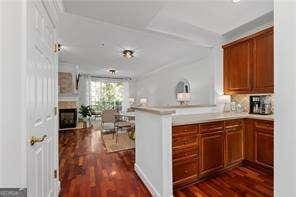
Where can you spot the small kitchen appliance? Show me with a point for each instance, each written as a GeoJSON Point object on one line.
{"type": "Point", "coordinates": [260, 104]}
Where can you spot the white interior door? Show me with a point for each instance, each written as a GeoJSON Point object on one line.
{"type": "Point", "coordinates": [41, 97]}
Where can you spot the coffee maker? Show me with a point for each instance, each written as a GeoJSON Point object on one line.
{"type": "Point", "coordinates": [260, 104]}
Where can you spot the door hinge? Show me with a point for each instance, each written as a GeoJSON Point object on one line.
{"type": "Point", "coordinates": [55, 111]}
{"type": "Point", "coordinates": [55, 174]}
{"type": "Point", "coordinates": [57, 47]}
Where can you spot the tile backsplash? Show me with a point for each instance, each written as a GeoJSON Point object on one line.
{"type": "Point", "coordinates": [243, 100]}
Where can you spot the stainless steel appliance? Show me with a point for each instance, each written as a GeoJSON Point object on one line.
{"type": "Point", "coordinates": [260, 104]}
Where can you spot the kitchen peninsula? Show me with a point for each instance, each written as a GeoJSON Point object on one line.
{"type": "Point", "coordinates": [173, 149]}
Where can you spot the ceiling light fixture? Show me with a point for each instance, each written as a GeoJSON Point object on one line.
{"type": "Point", "coordinates": [235, 1]}
{"type": "Point", "coordinates": [112, 71]}
{"type": "Point", "coordinates": [128, 54]}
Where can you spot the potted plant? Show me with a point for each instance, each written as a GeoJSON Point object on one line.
{"type": "Point", "coordinates": [85, 113]}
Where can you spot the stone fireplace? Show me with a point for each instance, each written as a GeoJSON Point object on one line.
{"type": "Point", "coordinates": [67, 114]}
{"type": "Point", "coordinates": [68, 118]}
{"type": "Point", "coordinates": [68, 100]}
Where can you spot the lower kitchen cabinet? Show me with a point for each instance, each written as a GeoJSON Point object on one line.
{"type": "Point", "coordinates": [264, 148]}
{"type": "Point", "coordinates": [249, 140]}
{"type": "Point", "coordinates": [234, 142]}
{"type": "Point", "coordinates": [185, 154]}
{"type": "Point", "coordinates": [211, 152]}
{"type": "Point", "coordinates": [205, 149]}
{"type": "Point", "coordinates": [185, 171]}
{"type": "Point", "coordinates": [264, 143]}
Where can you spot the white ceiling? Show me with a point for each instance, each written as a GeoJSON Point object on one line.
{"type": "Point", "coordinates": [216, 16]}
{"type": "Point", "coordinates": [83, 38]}
{"type": "Point", "coordinates": [161, 33]}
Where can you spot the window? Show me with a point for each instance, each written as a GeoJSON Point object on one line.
{"type": "Point", "coordinates": [106, 95]}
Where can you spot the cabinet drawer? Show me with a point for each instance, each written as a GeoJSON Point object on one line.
{"type": "Point", "coordinates": [233, 123]}
{"type": "Point", "coordinates": [185, 169]}
{"type": "Point", "coordinates": [211, 127]}
{"type": "Point", "coordinates": [264, 125]}
{"type": "Point", "coordinates": [182, 140]}
{"type": "Point", "coordinates": [184, 129]}
{"type": "Point", "coordinates": [233, 128]}
{"type": "Point", "coordinates": [182, 152]}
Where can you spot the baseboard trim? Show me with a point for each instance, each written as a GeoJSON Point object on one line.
{"type": "Point", "coordinates": [258, 166]}
{"type": "Point", "coordinates": [146, 181]}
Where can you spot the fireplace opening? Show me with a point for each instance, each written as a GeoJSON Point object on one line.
{"type": "Point", "coordinates": [68, 118]}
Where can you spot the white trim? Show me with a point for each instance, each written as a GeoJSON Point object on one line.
{"type": "Point", "coordinates": [167, 175]}
{"type": "Point", "coordinates": [146, 181]}
{"type": "Point", "coordinates": [57, 187]}
{"type": "Point", "coordinates": [69, 98]}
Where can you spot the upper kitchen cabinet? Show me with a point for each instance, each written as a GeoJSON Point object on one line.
{"type": "Point", "coordinates": [248, 64]}
{"type": "Point", "coordinates": [238, 67]}
{"type": "Point", "coordinates": [263, 62]}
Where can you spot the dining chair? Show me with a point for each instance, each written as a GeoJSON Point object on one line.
{"type": "Point", "coordinates": [108, 120]}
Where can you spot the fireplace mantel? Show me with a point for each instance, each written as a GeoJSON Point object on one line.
{"type": "Point", "coordinates": [68, 104]}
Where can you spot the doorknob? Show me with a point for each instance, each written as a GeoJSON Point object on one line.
{"type": "Point", "coordinates": [35, 139]}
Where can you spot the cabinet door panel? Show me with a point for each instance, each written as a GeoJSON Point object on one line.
{"type": "Point", "coordinates": [211, 152]}
{"type": "Point", "coordinates": [249, 140]}
{"type": "Point", "coordinates": [234, 145]}
{"type": "Point", "coordinates": [264, 148]}
{"type": "Point", "coordinates": [263, 63]}
{"type": "Point", "coordinates": [237, 67]}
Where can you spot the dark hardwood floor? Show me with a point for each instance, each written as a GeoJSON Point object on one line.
{"type": "Point", "coordinates": [240, 181]}
{"type": "Point", "coordinates": [86, 169]}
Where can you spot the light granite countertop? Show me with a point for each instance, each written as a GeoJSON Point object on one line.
{"type": "Point", "coordinates": [201, 118]}
{"type": "Point", "coordinates": [155, 110]}
{"type": "Point", "coordinates": [165, 110]}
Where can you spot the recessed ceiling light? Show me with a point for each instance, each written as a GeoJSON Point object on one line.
{"type": "Point", "coordinates": [128, 54]}
{"type": "Point", "coordinates": [235, 1]}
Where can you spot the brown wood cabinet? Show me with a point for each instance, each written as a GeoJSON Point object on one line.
{"type": "Point", "coordinates": [200, 150]}
{"type": "Point", "coordinates": [211, 152]}
{"type": "Point", "coordinates": [185, 154]}
{"type": "Point", "coordinates": [238, 67]}
{"type": "Point", "coordinates": [211, 143]}
{"type": "Point", "coordinates": [234, 140]}
{"type": "Point", "coordinates": [248, 64]}
{"type": "Point", "coordinates": [249, 140]}
{"type": "Point", "coordinates": [264, 142]}
{"type": "Point", "coordinates": [263, 62]}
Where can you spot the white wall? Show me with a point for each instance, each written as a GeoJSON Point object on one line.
{"type": "Point", "coordinates": [159, 87]}
{"type": "Point", "coordinates": [154, 153]}
{"type": "Point", "coordinates": [285, 98]}
{"type": "Point", "coordinates": [12, 113]}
